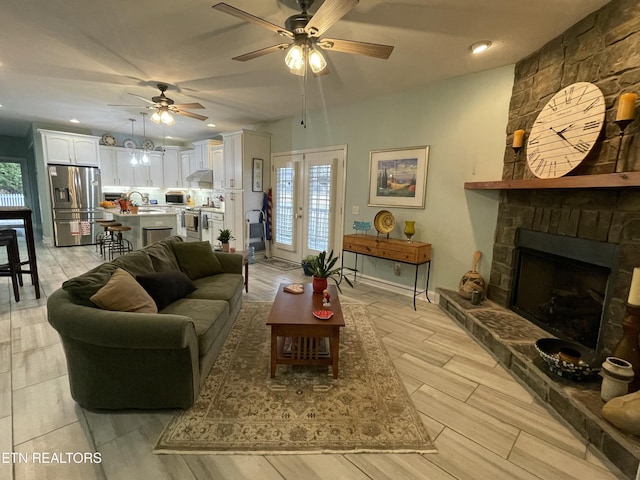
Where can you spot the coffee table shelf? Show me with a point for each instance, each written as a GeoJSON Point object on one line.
{"type": "Point", "coordinates": [291, 316]}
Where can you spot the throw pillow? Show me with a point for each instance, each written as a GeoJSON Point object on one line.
{"type": "Point", "coordinates": [123, 294]}
{"type": "Point", "coordinates": [197, 259]}
{"type": "Point", "coordinates": [166, 287]}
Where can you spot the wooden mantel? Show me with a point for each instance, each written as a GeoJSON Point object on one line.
{"type": "Point", "coordinates": [608, 180]}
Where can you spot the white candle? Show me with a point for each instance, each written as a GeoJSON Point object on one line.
{"type": "Point", "coordinates": [634, 291]}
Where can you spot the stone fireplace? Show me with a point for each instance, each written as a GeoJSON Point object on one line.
{"type": "Point", "coordinates": [562, 284]}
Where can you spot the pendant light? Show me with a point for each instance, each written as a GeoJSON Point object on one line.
{"type": "Point", "coordinates": [134, 159]}
{"type": "Point", "coordinates": [145, 157]}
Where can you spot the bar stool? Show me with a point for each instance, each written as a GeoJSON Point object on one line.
{"type": "Point", "coordinates": [104, 238]}
{"type": "Point", "coordinates": [9, 239]}
{"type": "Point", "coordinates": [118, 244]}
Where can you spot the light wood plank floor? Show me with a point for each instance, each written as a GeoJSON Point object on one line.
{"type": "Point", "coordinates": [484, 423]}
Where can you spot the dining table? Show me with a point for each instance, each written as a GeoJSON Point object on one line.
{"type": "Point", "coordinates": [24, 214]}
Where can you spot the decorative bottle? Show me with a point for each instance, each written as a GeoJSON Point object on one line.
{"type": "Point", "coordinates": [409, 229]}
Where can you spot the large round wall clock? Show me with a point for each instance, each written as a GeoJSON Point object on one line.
{"type": "Point", "coordinates": [566, 130]}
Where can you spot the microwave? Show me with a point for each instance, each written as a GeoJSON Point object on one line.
{"type": "Point", "coordinates": [177, 197]}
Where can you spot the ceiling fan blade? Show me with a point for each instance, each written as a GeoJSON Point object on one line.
{"type": "Point", "coordinates": [189, 106]}
{"type": "Point", "coordinates": [360, 48]}
{"type": "Point", "coordinates": [189, 114]}
{"type": "Point", "coordinates": [137, 106]}
{"type": "Point", "coordinates": [261, 52]}
{"type": "Point", "coordinates": [247, 17]}
{"type": "Point", "coordinates": [329, 13]}
{"type": "Point", "coordinates": [142, 98]}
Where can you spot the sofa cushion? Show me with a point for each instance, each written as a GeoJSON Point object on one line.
{"type": "Point", "coordinates": [123, 293]}
{"type": "Point", "coordinates": [208, 316]}
{"type": "Point", "coordinates": [81, 288]}
{"type": "Point", "coordinates": [197, 259]}
{"type": "Point", "coordinates": [166, 287]}
{"type": "Point", "coordinates": [225, 286]}
{"type": "Point", "coordinates": [162, 256]}
{"type": "Point", "coordinates": [136, 263]}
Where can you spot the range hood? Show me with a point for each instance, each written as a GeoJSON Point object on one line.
{"type": "Point", "coordinates": [201, 176]}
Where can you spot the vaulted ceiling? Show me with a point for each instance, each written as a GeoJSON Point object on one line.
{"type": "Point", "coordinates": [63, 59]}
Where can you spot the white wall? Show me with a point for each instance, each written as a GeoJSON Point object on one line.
{"type": "Point", "coordinates": [463, 120]}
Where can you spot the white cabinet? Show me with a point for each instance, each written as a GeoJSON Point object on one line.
{"type": "Point", "coordinates": [171, 168]}
{"type": "Point", "coordinates": [234, 208]}
{"type": "Point", "coordinates": [72, 148]}
{"type": "Point", "coordinates": [240, 148]}
{"type": "Point", "coordinates": [150, 175]}
{"type": "Point", "coordinates": [115, 167]}
{"type": "Point", "coordinates": [208, 156]}
{"type": "Point", "coordinates": [187, 160]}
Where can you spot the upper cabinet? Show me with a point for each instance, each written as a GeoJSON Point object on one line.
{"type": "Point", "coordinates": [173, 175]}
{"type": "Point", "coordinates": [208, 156]}
{"type": "Point", "coordinates": [115, 166]}
{"type": "Point", "coordinates": [71, 148]}
{"type": "Point", "coordinates": [239, 150]}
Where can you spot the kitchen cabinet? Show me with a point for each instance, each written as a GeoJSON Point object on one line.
{"type": "Point", "coordinates": [187, 159]}
{"type": "Point", "coordinates": [70, 148]}
{"type": "Point", "coordinates": [239, 150]}
{"type": "Point", "coordinates": [208, 156]}
{"type": "Point", "coordinates": [115, 167]}
{"type": "Point", "coordinates": [150, 175]}
{"type": "Point", "coordinates": [171, 168]}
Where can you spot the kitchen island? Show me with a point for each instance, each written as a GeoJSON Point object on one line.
{"type": "Point", "coordinates": [145, 218]}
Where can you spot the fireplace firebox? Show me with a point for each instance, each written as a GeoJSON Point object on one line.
{"type": "Point", "coordinates": [562, 284]}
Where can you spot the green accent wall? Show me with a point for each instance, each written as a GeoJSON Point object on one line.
{"type": "Point", "coordinates": [463, 120]}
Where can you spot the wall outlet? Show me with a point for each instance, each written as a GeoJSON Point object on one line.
{"type": "Point", "coordinates": [355, 210]}
{"type": "Point", "coordinates": [396, 269]}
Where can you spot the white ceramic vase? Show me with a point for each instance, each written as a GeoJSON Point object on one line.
{"type": "Point", "coordinates": [616, 376]}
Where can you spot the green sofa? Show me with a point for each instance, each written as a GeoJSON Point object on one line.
{"type": "Point", "coordinates": [122, 360]}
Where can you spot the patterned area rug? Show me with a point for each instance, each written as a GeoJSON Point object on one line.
{"type": "Point", "coordinates": [303, 409]}
{"type": "Point", "coordinates": [279, 264]}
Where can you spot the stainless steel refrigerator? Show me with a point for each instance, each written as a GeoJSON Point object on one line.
{"type": "Point", "coordinates": [75, 197]}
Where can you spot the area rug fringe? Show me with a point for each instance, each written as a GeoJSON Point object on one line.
{"type": "Point", "coordinates": [303, 410]}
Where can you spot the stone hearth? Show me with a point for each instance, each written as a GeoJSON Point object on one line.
{"type": "Point", "coordinates": [511, 339]}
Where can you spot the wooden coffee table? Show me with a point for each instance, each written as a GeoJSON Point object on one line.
{"type": "Point", "coordinates": [291, 316]}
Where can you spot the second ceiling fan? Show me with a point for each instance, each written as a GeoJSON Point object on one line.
{"type": "Point", "coordinates": [305, 30]}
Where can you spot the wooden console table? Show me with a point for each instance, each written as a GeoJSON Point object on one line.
{"type": "Point", "coordinates": [413, 253]}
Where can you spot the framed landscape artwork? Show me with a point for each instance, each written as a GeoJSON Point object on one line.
{"type": "Point", "coordinates": [398, 177]}
{"type": "Point", "coordinates": [256, 184]}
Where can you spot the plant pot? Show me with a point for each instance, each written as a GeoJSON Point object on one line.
{"type": "Point", "coordinates": [225, 247]}
{"type": "Point", "coordinates": [134, 210]}
{"type": "Point", "coordinates": [319, 285]}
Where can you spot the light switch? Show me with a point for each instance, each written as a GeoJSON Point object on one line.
{"type": "Point", "coordinates": [355, 210]}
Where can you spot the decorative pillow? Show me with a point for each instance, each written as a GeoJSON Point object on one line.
{"type": "Point", "coordinates": [197, 259]}
{"type": "Point", "coordinates": [166, 287]}
{"type": "Point", "coordinates": [123, 294]}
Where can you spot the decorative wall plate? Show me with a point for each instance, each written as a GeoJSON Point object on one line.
{"type": "Point", "coordinates": [147, 144]}
{"type": "Point", "coordinates": [128, 143]}
{"type": "Point", "coordinates": [323, 314]}
{"type": "Point", "coordinates": [108, 139]}
{"type": "Point", "coordinates": [384, 221]}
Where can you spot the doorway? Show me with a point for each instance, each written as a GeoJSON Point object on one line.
{"type": "Point", "coordinates": [308, 201]}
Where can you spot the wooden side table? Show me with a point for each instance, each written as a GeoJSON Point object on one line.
{"type": "Point", "coordinates": [412, 253]}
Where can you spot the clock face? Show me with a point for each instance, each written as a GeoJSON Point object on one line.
{"type": "Point", "coordinates": [566, 130]}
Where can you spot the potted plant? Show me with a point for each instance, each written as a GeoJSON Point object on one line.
{"type": "Point", "coordinates": [133, 207]}
{"type": "Point", "coordinates": [323, 268]}
{"type": "Point", "coordinates": [224, 237]}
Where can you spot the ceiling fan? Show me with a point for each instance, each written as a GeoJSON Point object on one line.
{"type": "Point", "coordinates": [305, 31]}
{"type": "Point", "coordinates": [164, 107]}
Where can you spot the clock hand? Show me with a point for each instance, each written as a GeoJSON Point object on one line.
{"type": "Point", "coordinates": [565, 128]}
{"type": "Point", "coordinates": [559, 134]}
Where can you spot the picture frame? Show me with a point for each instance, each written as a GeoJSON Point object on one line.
{"type": "Point", "coordinates": [398, 177]}
{"type": "Point", "coordinates": [256, 177]}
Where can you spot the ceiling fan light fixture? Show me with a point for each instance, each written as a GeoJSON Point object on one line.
{"type": "Point", "coordinates": [167, 118]}
{"type": "Point", "coordinates": [155, 118]}
{"type": "Point", "coordinates": [295, 58]}
{"type": "Point", "coordinates": [317, 61]}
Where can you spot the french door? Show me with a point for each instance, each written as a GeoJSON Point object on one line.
{"type": "Point", "coordinates": [308, 198]}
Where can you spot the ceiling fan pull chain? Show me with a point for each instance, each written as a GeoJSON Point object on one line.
{"type": "Point", "coordinates": [303, 81]}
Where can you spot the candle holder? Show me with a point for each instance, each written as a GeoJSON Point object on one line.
{"type": "Point", "coordinates": [628, 348]}
{"type": "Point", "coordinates": [622, 124]}
{"type": "Point", "coordinates": [516, 151]}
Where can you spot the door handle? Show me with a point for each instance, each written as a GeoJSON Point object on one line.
{"type": "Point", "coordinates": [297, 215]}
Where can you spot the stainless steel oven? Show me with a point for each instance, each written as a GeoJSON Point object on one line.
{"type": "Point", "coordinates": [192, 224]}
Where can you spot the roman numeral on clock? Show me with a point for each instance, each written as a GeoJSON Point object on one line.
{"type": "Point", "coordinates": [591, 125]}
{"type": "Point", "coordinates": [581, 147]}
{"type": "Point", "coordinates": [591, 105]}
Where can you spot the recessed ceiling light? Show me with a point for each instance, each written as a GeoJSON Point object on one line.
{"type": "Point", "coordinates": [74, 120]}
{"type": "Point", "coordinates": [480, 47]}
{"type": "Point", "coordinates": [168, 136]}
{"type": "Point", "coordinates": [211, 125]}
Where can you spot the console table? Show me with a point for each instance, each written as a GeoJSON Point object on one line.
{"type": "Point", "coordinates": [413, 253]}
